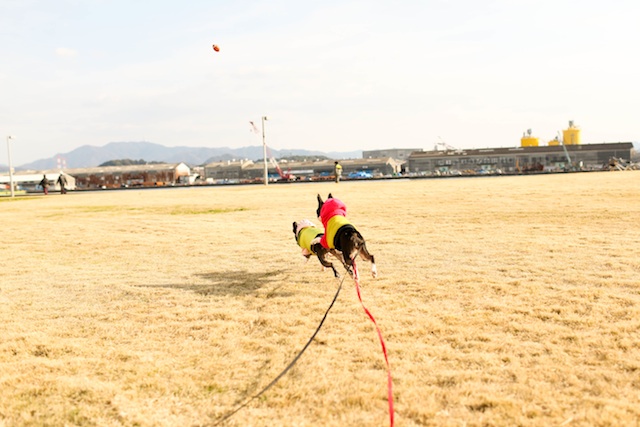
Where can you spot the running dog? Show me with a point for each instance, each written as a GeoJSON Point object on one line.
{"type": "Point", "coordinates": [308, 238]}
{"type": "Point", "coordinates": [340, 234]}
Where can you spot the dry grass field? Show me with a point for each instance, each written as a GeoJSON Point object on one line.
{"type": "Point", "coordinates": [503, 301]}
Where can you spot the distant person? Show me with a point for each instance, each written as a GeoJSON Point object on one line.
{"type": "Point", "coordinates": [45, 184]}
{"type": "Point", "coordinates": [337, 171]}
{"type": "Point", "coordinates": [62, 181]}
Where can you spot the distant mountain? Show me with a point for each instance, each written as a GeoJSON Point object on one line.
{"type": "Point", "coordinates": [91, 156]}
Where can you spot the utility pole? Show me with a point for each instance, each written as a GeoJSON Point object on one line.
{"type": "Point", "coordinates": [264, 153]}
{"type": "Point", "coordinates": [10, 165]}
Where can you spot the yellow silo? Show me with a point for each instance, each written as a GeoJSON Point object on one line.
{"type": "Point", "coordinates": [554, 142]}
{"type": "Point", "coordinates": [571, 136]}
{"type": "Point", "coordinates": [529, 141]}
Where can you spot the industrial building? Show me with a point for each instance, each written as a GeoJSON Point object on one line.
{"type": "Point", "coordinates": [517, 160]}
{"type": "Point", "coordinates": [559, 155]}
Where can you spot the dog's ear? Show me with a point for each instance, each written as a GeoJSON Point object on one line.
{"type": "Point", "coordinates": [330, 196]}
{"type": "Point", "coordinates": [320, 203]}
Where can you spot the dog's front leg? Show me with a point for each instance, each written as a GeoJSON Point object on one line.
{"type": "Point", "coordinates": [321, 253]}
{"type": "Point", "coordinates": [328, 264]}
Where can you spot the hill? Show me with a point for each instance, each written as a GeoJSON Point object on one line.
{"type": "Point", "coordinates": [91, 156]}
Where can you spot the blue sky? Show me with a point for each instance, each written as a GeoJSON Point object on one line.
{"type": "Point", "coordinates": [331, 75]}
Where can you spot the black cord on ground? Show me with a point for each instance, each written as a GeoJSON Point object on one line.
{"type": "Point", "coordinates": [293, 362]}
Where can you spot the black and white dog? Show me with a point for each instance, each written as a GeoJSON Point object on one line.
{"type": "Point", "coordinates": [308, 238]}
{"type": "Point", "coordinates": [340, 234]}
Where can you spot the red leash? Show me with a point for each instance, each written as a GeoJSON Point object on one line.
{"type": "Point", "coordinates": [384, 347]}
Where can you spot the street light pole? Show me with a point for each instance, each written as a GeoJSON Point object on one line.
{"type": "Point", "coordinates": [264, 153]}
{"type": "Point", "coordinates": [10, 166]}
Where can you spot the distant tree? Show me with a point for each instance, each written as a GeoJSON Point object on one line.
{"type": "Point", "coordinates": [308, 158]}
{"type": "Point", "coordinates": [124, 162]}
{"type": "Point", "coordinates": [128, 162]}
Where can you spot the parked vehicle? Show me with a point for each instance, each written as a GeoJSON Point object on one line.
{"type": "Point", "coordinates": [360, 175]}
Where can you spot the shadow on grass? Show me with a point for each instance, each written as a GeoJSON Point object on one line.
{"type": "Point", "coordinates": [231, 283]}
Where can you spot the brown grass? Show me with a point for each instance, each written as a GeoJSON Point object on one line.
{"type": "Point", "coordinates": [503, 301]}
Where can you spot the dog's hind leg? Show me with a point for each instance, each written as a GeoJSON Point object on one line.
{"type": "Point", "coordinates": [338, 255]}
{"type": "Point", "coordinates": [365, 255]}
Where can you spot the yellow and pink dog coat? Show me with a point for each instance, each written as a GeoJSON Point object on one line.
{"type": "Point", "coordinates": [307, 234]}
{"type": "Point", "coordinates": [333, 216]}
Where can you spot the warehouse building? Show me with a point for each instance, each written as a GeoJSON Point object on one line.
{"type": "Point", "coordinates": [226, 171]}
{"type": "Point", "coordinates": [149, 175]}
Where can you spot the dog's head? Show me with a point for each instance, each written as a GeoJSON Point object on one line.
{"type": "Point", "coordinates": [320, 203]}
{"type": "Point", "coordinates": [298, 226]}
